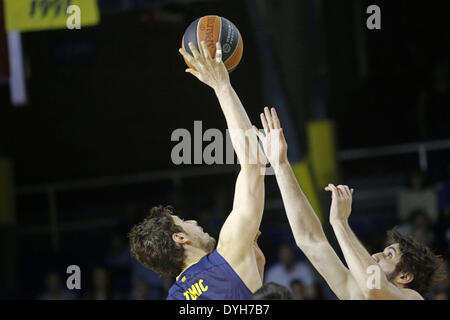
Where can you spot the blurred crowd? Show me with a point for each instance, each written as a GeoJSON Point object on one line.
{"type": "Point", "coordinates": [423, 212]}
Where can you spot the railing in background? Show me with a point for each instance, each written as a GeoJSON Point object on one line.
{"type": "Point", "coordinates": [177, 175]}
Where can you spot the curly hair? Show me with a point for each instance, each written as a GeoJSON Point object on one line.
{"type": "Point", "coordinates": [418, 260]}
{"type": "Point", "coordinates": [152, 245]}
{"type": "Point", "coordinates": [272, 291]}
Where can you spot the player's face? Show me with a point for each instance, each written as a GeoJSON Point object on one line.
{"type": "Point", "coordinates": [388, 259]}
{"type": "Point", "coordinates": [195, 233]}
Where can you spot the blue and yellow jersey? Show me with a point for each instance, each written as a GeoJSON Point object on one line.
{"type": "Point", "coordinates": [211, 278]}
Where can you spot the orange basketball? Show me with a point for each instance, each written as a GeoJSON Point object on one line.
{"type": "Point", "coordinates": [212, 29]}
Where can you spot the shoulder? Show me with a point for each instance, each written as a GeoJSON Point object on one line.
{"type": "Point", "coordinates": [214, 258]}
{"type": "Point", "coordinates": [411, 294]}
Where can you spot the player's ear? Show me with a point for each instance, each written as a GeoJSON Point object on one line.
{"type": "Point", "coordinates": [405, 277]}
{"type": "Point", "coordinates": [180, 238]}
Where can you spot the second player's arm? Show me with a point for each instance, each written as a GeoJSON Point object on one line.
{"type": "Point", "coordinates": [361, 264]}
{"type": "Point", "coordinates": [311, 239]}
{"type": "Point", "coordinates": [305, 224]}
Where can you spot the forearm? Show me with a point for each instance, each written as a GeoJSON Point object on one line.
{"type": "Point", "coordinates": [357, 258]}
{"type": "Point", "coordinates": [232, 108]}
{"type": "Point", "coordinates": [305, 224]}
{"type": "Point", "coordinates": [311, 239]}
{"type": "Point", "coordinates": [240, 127]}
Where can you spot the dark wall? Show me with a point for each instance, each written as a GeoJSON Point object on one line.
{"type": "Point", "coordinates": [105, 100]}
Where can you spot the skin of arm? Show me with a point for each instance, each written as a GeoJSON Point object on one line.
{"type": "Point", "coordinates": [359, 261]}
{"type": "Point", "coordinates": [305, 224]}
{"type": "Point", "coordinates": [236, 239]}
{"type": "Point", "coordinates": [260, 258]}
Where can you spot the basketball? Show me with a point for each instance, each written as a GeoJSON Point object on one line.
{"type": "Point", "coordinates": [212, 29]}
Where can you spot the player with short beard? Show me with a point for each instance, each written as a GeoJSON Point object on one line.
{"type": "Point", "coordinates": [405, 270]}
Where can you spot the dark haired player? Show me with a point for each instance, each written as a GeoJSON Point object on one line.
{"type": "Point", "coordinates": [273, 291]}
{"type": "Point", "coordinates": [405, 270]}
{"type": "Point", "coordinates": [171, 246]}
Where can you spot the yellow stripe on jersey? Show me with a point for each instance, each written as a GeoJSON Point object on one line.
{"type": "Point", "coordinates": [186, 269]}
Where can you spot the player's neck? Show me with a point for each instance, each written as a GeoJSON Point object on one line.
{"type": "Point", "coordinates": [193, 255]}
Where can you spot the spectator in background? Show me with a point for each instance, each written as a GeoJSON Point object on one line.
{"type": "Point", "coordinates": [272, 291]}
{"type": "Point", "coordinates": [126, 270]}
{"type": "Point", "coordinates": [314, 292]}
{"type": "Point", "coordinates": [118, 255]}
{"type": "Point", "coordinates": [54, 289]}
{"type": "Point", "coordinates": [288, 269]}
{"type": "Point", "coordinates": [118, 263]}
{"type": "Point", "coordinates": [418, 197]}
{"type": "Point", "coordinates": [100, 287]}
{"type": "Point", "coordinates": [298, 290]}
{"type": "Point", "coordinates": [442, 290]}
{"type": "Point", "coordinates": [418, 227]}
{"type": "Point", "coordinates": [442, 229]}
{"type": "Point", "coordinates": [140, 290]}
{"type": "Point", "coordinates": [159, 285]}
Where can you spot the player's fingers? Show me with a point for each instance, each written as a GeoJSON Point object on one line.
{"type": "Point", "coordinates": [268, 117]}
{"type": "Point", "coordinates": [336, 192]}
{"type": "Point", "coordinates": [342, 191]}
{"type": "Point", "coordinates": [194, 51]}
{"type": "Point", "coordinates": [193, 72]}
{"type": "Point", "coordinates": [347, 192]}
{"type": "Point", "coordinates": [264, 124]}
{"type": "Point", "coordinates": [258, 133]}
{"type": "Point", "coordinates": [187, 56]}
{"type": "Point", "coordinates": [276, 120]}
{"type": "Point", "coordinates": [205, 50]}
{"type": "Point", "coordinates": [339, 191]}
{"type": "Point", "coordinates": [282, 134]}
{"type": "Point", "coordinates": [206, 54]}
{"type": "Point", "coordinates": [351, 190]}
{"type": "Point", "coordinates": [218, 56]}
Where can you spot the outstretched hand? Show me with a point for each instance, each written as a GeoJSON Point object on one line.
{"type": "Point", "coordinates": [208, 70]}
{"type": "Point", "coordinates": [341, 203]}
{"type": "Point", "coordinates": [273, 141]}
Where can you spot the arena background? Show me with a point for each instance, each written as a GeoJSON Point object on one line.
{"type": "Point", "coordinates": [90, 151]}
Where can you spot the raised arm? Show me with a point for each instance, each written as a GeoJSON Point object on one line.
{"type": "Point", "coordinates": [237, 235]}
{"type": "Point", "coordinates": [305, 225]}
{"type": "Point", "coordinates": [371, 280]}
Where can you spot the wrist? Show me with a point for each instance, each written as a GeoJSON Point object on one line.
{"type": "Point", "coordinates": [339, 222]}
{"type": "Point", "coordinates": [222, 88]}
{"type": "Point", "coordinates": [281, 166]}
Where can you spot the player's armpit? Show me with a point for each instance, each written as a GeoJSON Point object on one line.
{"type": "Point", "coordinates": [239, 254]}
